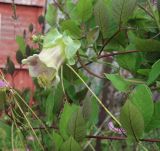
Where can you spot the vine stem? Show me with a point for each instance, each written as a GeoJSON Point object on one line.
{"type": "Point", "coordinates": [145, 10]}
{"type": "Point", "coordinates": [12, 139]}
{"type": "Point", "coordinates": [87, 69]}
{"type": "Point", "coordinates": [100, 57]}
{"type": "Point", "coordinates": [60, 8]}
{"type": "Point", "coordinates": [119, 138]}
{"type": "Point", "coordinates": [109, 40]}
{"type": "Point", "coordinates": [62, 82]}
{"type": "Point", "coordinates": [118, 53]}
{"type": "Point", "coordinates": [113, 54]}
{"type": "Point", "coordinates": [99, 101]}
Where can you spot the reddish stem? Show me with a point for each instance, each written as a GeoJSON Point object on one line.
{"type": "Point", "coordinates": [119, 138]}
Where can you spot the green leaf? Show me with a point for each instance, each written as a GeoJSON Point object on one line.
{"type": "Point", "coordinates": [19, 56]}
{"type": "Point", "coordinates": [2, 100]}
{"type": "Point", "coordinates": [147, 45]}
{"type": "Point", "coordinates": [155, 121]}
{"type": "Point", "coordinates": [130, 62]}
{"type": "Point", "coordinates": [119, 82]}
{"type": "Point", "coordinates": [30, 28]}
{"type": "Point", "coordinates": [141, 97]}
{"type": "Point", "coordinates": [70, 27]}
{"type": "Point", "coordinates": [87, 109]}
{"type": "Point", "coordinates": [58, 98]}
{"type": "Point", "coordinates": [10, 66]}
{"type": "Point", "coordinates": [92, 35]}
{"type": "Point", "coordinates": [154, 73]}
{"type": "Point", "coordinates": [21, 43]}
{"type": "Point", "coordinates": [70, 145]}
{"type": "Point", "coordinates": [69, 6]}
{"type": "Point", "coordinates": [83, 10]}
{"type": "Point", "coordinates": [104, 19]}
{"type": "Point", "coordinates": [77, 126]}
{"type": "Point", "coordinates": [144, 72]}
{"type": "Point", "coordinates": [51, 15]}
{"type": "Point", "coordinates": [28, 51]}
{"type": "Point", "coordinates": [5, 137]}
{"type": "Point", "coordinates": [96, 109]}
{"type": "Point", "coordinates": [58, 141]}
{"type": "Point", "coordinates": [71, 92]}
{"type": "Point", "coordinates": [41, 20]}
{"type": "Point", "coordinates": [158, 6]}
{"type": "Point", "coordinates": [123, 9]}
{"type": "Point", "coordinates": [132, 121]}
{"type": "Point", "coordinates": [64, 119]}
{"type": "Point", "coordinates": [49, 108]}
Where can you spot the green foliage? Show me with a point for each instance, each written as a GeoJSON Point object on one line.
{"type": "Point", "coordinates": [141, 97]}
{"type": "Point", "coordinates": [147, 45]}
{"type": "Point", "coordinates": [104, 19]}
{"type": "Point", "coordinates": [82, 11]}
{"type": "Point", "coordinates": [76, 126]}
{"type": "Point", "coordinates": [51, 15]}
{"type": "Point", "coordinates": [130, 62]}
{"type": "Point", "coordinates": [68, 110]}
{"type": "Point", "coordinates": [119, 82]}
{"type": "Point", "coordinates": [21, 42]}
{"type": "Point", "coordinates": [132, 121]}
{"type": "Point", "coordinates": [123, 9]}
{"type": "Point", "coordinates": [92, 35]}
{"type": "Point", "coordinates": [155, 121]}
{"type": "Point", "coordinates": [2, 99]}
{"type": "Point", "coordinates": [71, 28]}
{"type": "Point", "coordinates": [87, 109]}
{"type": "Point", "coordinates": [30, 28]}
{"type": "Point", "coordinates": [70, 145]}
{"type": "Point", "coordinates": [53, 103]}
{"type": "Point", "coordinates": [154, 73]}
{"type": "Point", "coordinates": [58, 141]}
{"type": "Point", "coordinates": [19, 56]}
{"type": "Point", "coordinates": [10, 67]}
{"type": "Point", "coordinates": [5, 136]}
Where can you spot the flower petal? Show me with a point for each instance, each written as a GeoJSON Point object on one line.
{"type": "Point", "coordinates": [36, 66]}
{"type": "Point", "coordinates": [52, 57]}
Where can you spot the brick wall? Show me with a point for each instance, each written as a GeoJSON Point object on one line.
{"type": "Point", "coordinates": [27, 12]}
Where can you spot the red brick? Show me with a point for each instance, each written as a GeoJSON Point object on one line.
{"type": "Point", "coordinates": [27, 13]}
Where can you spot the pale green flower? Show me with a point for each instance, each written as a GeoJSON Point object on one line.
{"type": "Point", "coordinates": [57, 49]}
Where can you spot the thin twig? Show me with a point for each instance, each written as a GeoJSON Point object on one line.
{"type": "Point", "coordinates": [112, 54]}
{"type": "Point", "coordinates": [87, 69]}
{"type": "Point", "coordinates": [14, 16]}
{"type": "Point", "coordinates": [109, 40]}
{"type": "Point", "coordinates": [155, 36]}
{"type": "Point", "coordinates": [155, 88]}
{"type": "Point", "coordinates": [118, 53]}
{"type": "Point", "coordinates": [143, 8]}
{"type": "Point", "coordinates": [119, 138]}
{"type": "Point", "coordinates": [43, 128]}
{"type": "Point", "coordinates": [60, 8]}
